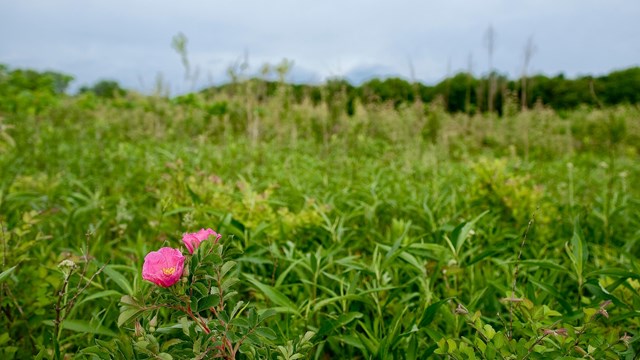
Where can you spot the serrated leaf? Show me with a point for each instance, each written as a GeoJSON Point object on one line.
{"type": "Point", "coordinates": [169, 343]}
{"type": "Point", "coordinates": [266, 332]}
{"type": "Point", "coordinates": [240, 322]}
{"type": "Point", "coordinates": [229, 295]}
{"type": "Point", "coordinates": [226, 267]}
{"type": "Point", "coordinates": [229, 283]}
{"type": "Point", "coordinates": [265, 314]}
{"type": "Point", "coordinates": [126, 299]}
{"type": "Point", "coordinates": [208, 302]}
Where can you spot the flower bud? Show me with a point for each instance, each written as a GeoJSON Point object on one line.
{"type": "Point", "coordinates": [154, 321]}
{"type": "Point", "coordinates": [139, 331]}
{"type": "Point", "coordinates": [461, 310]}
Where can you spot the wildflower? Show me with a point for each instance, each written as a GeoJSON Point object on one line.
{"type": "Point", "coordinates": [626, 339]}
{"type": "Point", "coordinates": [602, 311]}
{"type": "Point", "coordinates": [461, 310]}
{"type": "Point", "coordinates": [163, 267]}
{"type": "Point", "coordinates": [67, 266]}
{"type": "Point", "coordinates": [193, 240]}
{"type": "Point", "coordinates": [556, 332]}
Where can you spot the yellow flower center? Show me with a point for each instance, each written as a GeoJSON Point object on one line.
{"type": "Point", "coordinates": [169, 271]}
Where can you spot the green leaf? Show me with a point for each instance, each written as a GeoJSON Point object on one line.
{"type": "Point", "coordinates": [350, 340]}
{"type": "Point", "coordinates": [127, 315]}
{"type": "Point", "coordinates": [5, 274]}
{"type": "Point", "coordinates": [238, 309]}
{"type": "Point", "coordinates": [226, 267]}
{"type": "Point", "coordinates": [119, 279]}
{"type": "Point", "coordinates": [430, 312]}
{"type": "Point", "coordinates": [580, 251]}
{"type": "Point", "coordinates": [169, 343]}
{"type": "Point", "coordinates": [82, 326]}
{"type": "Point", "coordinates": [194, 197]}
{"type": "Point", "coordinates": [370, 344]}
{"type": "Point", "coordinates": [178, 211]}
{"type": "Point", "coordinates": [545, 264]}
{"type": "Point", "coordinates": [274, 295]}
{"type": "Point", "coordinates": [101, 294]}
{"type": "Point", "coordinates": [461, 232]}
{"type": "Point", "coordinates": [329, 325]}
{"type": "Point", "coordinates": [208, 302]}
{"type": "Point", "coordinates": [265, 314]}
{"type": "Point", "coordinates": [550, 289]}
{"type": "Point", "coordinates": [226, 284]}
{"type": "Point", "coordinates": [614, 272]}
{"type": "Point", "coordinates": [240, 322]}
{"type": "Point", "coordinates": [266, 332]}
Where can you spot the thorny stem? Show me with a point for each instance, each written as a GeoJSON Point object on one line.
{"type": "Point", "coordinates": [239, 343]}
{"type": "Point", "coordinates": [197, 319]}
{"type": "Point", "coordinates": [220, 290]}
{"type": "Point", "coordinates": [227, 343]}
{"type": "Point", "coordinates": [515, 273]}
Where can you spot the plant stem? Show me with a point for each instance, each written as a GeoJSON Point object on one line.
{"type": "Point", "coordinates": [515, 274]}
{"type": "Point", "coordinates": [59, 317]}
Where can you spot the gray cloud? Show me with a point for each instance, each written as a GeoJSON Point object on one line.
{"type": "Point", "coordinates": [129, 41]}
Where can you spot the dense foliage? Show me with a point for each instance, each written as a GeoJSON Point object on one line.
{"type": "Point", "coordinates": [466, 93]}
{"type": "Point", "coordinates": [384, 232]}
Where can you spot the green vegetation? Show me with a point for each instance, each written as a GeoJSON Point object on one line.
{"type": "Point", "coordinates": [355, 230]}
{"type": "Point", "coordinates": [465, 93]}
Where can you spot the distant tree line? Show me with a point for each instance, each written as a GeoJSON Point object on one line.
{"type": "Point", "coordinates": [462, 92]}
{"type": "Point", "coordinates": [466, 93]}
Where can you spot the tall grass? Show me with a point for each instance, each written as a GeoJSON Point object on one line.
{"type": "Point", "coordinates": [392, 233]}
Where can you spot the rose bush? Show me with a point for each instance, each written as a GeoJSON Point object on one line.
{"type": "Point", "coordinates": [200, 317]}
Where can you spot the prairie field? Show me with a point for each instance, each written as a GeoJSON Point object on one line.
{"type": "Point", "coordinates": [393, 232]}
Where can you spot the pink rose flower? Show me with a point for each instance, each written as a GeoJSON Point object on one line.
{"type": "Point", "coordinates": [193, 240]}
{"type": "Point", "coordinates": [163, 267]}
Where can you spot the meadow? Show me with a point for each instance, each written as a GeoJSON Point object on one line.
{"type": "Point", "coordinates": [395, 233]}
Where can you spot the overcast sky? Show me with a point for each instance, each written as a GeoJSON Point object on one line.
{"type": "Point", "coordinates": [130, 41]}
